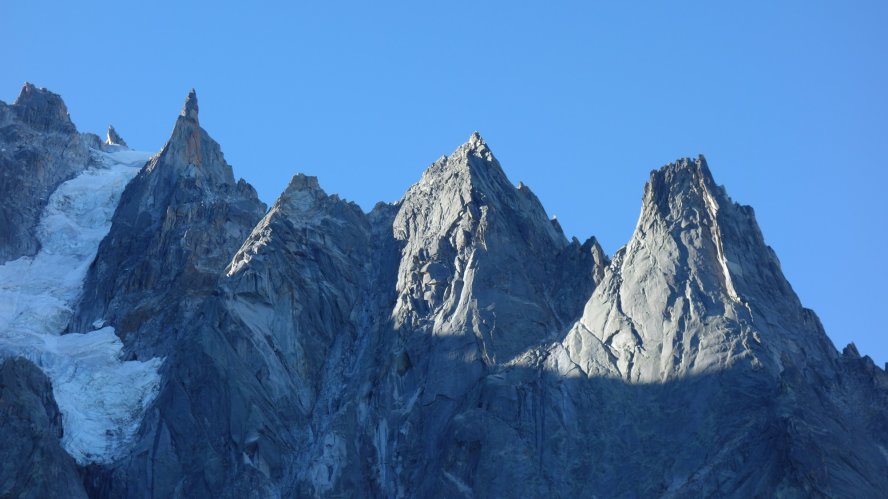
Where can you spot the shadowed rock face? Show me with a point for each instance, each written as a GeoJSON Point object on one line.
{"type": "Point", "coordinates": [39, 149]}
{"type": "Point", "coordinates": [456, 344]}
{"type": "Point", "coordinates": [34, 464]}
{"type": "Point", "coordinates": [43, 110]}
{"type": "Point", "coordinates": [176, 227]}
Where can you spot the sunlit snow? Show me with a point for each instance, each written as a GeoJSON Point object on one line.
{"type": "Point", "coordinates": [101, 398]}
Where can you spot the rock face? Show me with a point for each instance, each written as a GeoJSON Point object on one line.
{"type": "Point", "coordinates": [477, 288]}
{"type": "Point", "coordinates": [479, 256]}
{"type": "Point", "coordinates": [328, 334]}
{"type": "Point", "coordinates": [696, 290]}
{"type": "Point", "coordinates": [34, 464]}
{"type": "Point", "coordinates": [456, 344]}
{"type": "Point", "coordinates": [695, 348]}
{"type": "Point", "coordinates": [176, 227]}
{"type": "Point", "coordinates": [39, 149]}
{"type": "Point", "coordinates": [112, 138]}
{"type": "Point", "coordinates": [243, 385]}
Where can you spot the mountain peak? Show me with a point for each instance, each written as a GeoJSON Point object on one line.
{"type": "Point", "coordinates": [694, 245]}
{"type": "Point", "coordinates": [112, 138]}
{"type": "Point", "coordinates": [304, 202]}
{"type": "Point", "coordinates": [190, 109]}
{"type": "Point", "coordinates": [685, 166]}
{"type": "Point", "coordinates": [472, 175]}
{"type": "Point", "coordinates": [43, 110]}
{"type": "Point", "coordinates": [675, 181]}
{"type": "Point", "coordinates": [28, 91]}
{"type": "Point", "coordinates": [477, 146]}
{"type": "Point", "coordinates": [302, 192]}
{"type": "Point", "coordinates": [683, 203]}
{"type": "Point", "coordinates": [472, 163]}
{"type": "Point", "coordinates": [189, 144]}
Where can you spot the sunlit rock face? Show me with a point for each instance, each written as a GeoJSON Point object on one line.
{"type": "Point", "coordinates": [695, 349]}
{"type": "Point", "coordinates": [696, 290]}
{"type": "Point", "coordinates": [452, 344]}
{"type": "Point", "coordinates": [480, 258]}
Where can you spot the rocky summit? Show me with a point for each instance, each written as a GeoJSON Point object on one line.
{"type": "Point", "coordinates": [452, 344]}
{"type": "Point", "coordinates": [39, 149]}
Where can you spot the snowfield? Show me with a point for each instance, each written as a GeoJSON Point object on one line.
{"type": "Point", "coordinates": [101, 398]}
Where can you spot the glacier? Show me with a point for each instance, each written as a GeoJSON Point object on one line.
{"type": "Point", "coordinates": [101, 397]}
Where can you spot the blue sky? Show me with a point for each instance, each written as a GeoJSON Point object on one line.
{"type": "Point", "coordinates": [581, 100]}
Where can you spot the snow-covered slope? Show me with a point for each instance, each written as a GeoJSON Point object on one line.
{"type": "Point", "coordinates": [101, 397]}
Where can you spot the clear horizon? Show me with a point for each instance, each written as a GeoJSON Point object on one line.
{"type": "Point", "coordinates": [580, 102]}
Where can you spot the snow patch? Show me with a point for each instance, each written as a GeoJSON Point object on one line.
{"type": "Point", "coordinates": [101, 398]}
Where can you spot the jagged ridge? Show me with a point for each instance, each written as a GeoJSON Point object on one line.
{"type": "Point", "coordinates": [455, 343]}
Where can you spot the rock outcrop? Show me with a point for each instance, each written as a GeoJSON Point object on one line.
{"type": "Point", "coordinates": [696, 290]}
{"type": "Point", "coordinates": [176, 227]}
{"type": "Point", "coordinates": [479, 255]}
{"type": "Point", "coordinates": [695, 315]}
{"type": "Point", "coordinates": [39, 149]}
{"type": "Point", "coordinates": [112, 138]}
{"type": "Point", "coordinates": [246, 385]}
{"type": "Point", "coordinates": [34, 464]}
